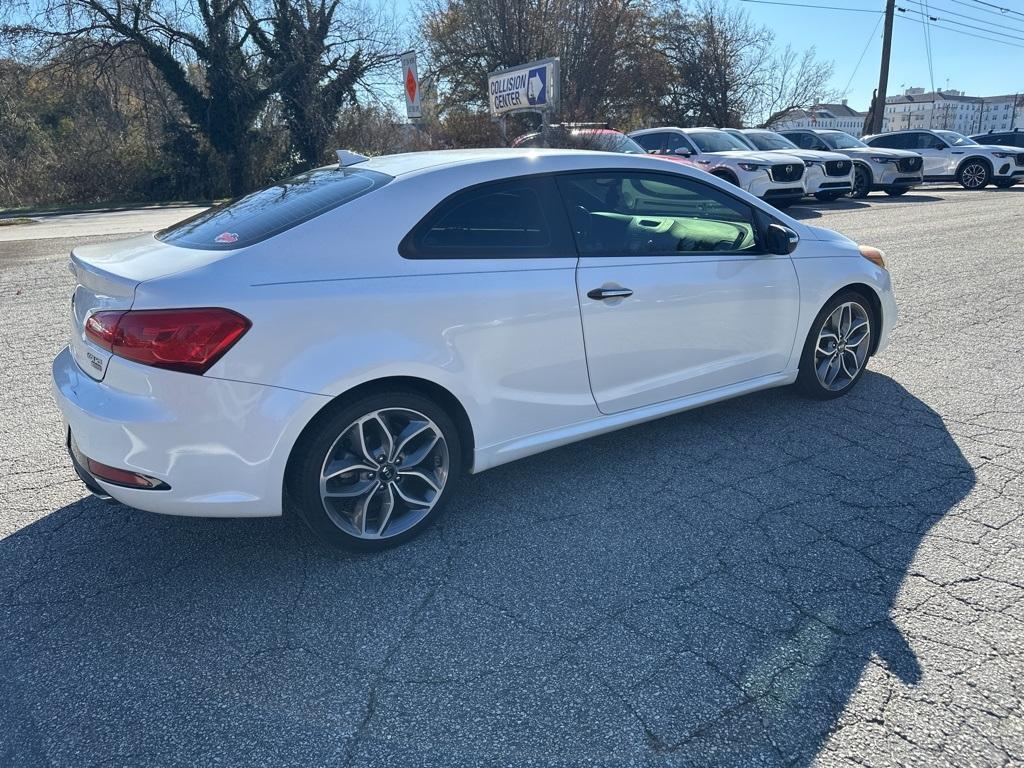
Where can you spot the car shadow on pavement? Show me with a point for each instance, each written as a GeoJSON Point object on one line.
{"type": "Point", "coordinates": [812, 210]}
{"type": "Point", "coordinates": [707, 589]}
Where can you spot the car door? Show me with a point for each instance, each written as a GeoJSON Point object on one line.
{"type": "Point", "coordinates": [676, 295]}
{"type": "Point", "coordinates": [937, 155]}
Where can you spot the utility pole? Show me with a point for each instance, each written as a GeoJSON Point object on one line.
{"type": "Point", "coordinates": [878, 106]}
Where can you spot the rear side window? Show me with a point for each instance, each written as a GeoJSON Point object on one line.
{"type": "Point", "coordinates": [894, 141]}
{"type": "Point", "coordinates": [514, 218]}
{"type": "Point", "coordinates": [272, 210]}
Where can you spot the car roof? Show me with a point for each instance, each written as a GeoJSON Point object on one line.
{"type": "Point", "coordinates": [501, 162]}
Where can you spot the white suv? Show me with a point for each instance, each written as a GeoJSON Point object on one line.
{"type": "Point", "coordinates": [829, 175]}
{"type": "Point", "coordinates": [951, 156]}
{"type": "Point", "coordinates": [893, 171]}
{"type": "Point", "coordinates": [775, 177]}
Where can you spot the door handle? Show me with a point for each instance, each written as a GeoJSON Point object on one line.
{"type": "Point", "coordinates": [609, 293]}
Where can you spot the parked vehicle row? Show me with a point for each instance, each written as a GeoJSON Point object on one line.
{"type": "Point", "coordinates": [784, 166]}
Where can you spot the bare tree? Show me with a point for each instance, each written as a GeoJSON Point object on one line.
{"type": "Point", "coordinates": [319, 55]}
{"type": "Point", "coordinates": [610, 65]}
{"type": "Point", "coordinates": [791, 81]}
{"type": "Point", "coordinates": [725, 71]}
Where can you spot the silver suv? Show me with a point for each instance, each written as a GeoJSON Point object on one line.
{"type": "Point", "coordinates": [893, 171]}
{"type": "Point", "coordinates": [951, 156]}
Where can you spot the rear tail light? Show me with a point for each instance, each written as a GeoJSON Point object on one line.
{"type": "Point", "coordinates": [186, 340]}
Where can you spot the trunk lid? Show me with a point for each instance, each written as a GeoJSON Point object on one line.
{"type": "Point", "coordinates": [106, 276]}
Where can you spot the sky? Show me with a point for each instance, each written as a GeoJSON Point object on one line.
{"type": "Point", "coordinates": [979, 67]}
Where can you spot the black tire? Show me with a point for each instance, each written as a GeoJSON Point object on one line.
{"type": "Point", "coordinates": [1004, 183]}
{"type": "Point", "coordinates": [973, 174]}
{"type": "Point", "coordinates": [807, 381]}
{"type": "Point", "coordinates": [897, 191]}
{"type": "Point", "coordinates": [862, 182]}
{"type": "Point", "coordinates": [829, 197]}
{"type": "Point", "coordinates": [310, 455]}
{"type": "Point", "coordinates": [727, 177]}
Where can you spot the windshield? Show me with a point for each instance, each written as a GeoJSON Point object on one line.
{"type": "Point", "coordinates": [768, 141]}
{"type": "Point", "coordinates": [716, 141]}
{"type": "Point", "coordinates": [272, 210]}
{"type": "Point", "coordinates": [840, 140]}
{"type": "Point", "coordinates": [956, 139]}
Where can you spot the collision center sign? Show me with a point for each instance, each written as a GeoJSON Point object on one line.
{"type": "Point", "coordinates": [532, 87]}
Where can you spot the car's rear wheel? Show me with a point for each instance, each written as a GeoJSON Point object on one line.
{"type": "Point", "coordinates": [1004, 183]}
{"type": "Point", "coordinates": [974, 174]}
{"type": "Point", "coordinates": [897, 191]}
{"type": "Point", "coordinates": [837, 348]}
{"type": "Point", "coordinates": [828, 197]}
{"type": "Point", "coordinates": [861, 182]}
{"type": "Point", "coordinates": [376, 471]}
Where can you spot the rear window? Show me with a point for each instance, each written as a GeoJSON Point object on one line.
{"type": "Point", "coordinates": [272, 210]}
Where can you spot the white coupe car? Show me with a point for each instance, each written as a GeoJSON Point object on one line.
{"type": "Point", "coordinates": [350, 341]}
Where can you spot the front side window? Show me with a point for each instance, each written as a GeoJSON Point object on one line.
{"type": "Point", "coordinates": [273, 210]}
{"type": "Point", "coordinates": [514, 218]}
{"type": "Point", "coordinates": [651, 214]}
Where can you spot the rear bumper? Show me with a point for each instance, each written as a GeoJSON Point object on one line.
{"type": "Point", "coordinates": [221, 446]}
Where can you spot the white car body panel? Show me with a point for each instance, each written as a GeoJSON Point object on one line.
{"type": "Point", "coordinates": [334, 306]}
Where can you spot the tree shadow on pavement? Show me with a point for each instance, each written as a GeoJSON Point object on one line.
{"type": "Point", "coordinates": [707, 589]}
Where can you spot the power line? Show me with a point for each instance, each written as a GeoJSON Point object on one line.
{"type": "Point", "coordinates": [959, 23]}
{"type": "Point", "coordinates": [963, 15]}
{"type": "Point", "coordinates": [969, 34]}
{"type": "Point", "coordinates": [808, 5]}
{"type": "Point", "coordinates": [871, 39]}
{"type": "Point", "coordinates": [990, 5]}
{"type": "Point", "coordinates": [925, 26]}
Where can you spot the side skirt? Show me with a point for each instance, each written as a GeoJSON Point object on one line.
{"type": "Point", "coordinates": [496, 454]}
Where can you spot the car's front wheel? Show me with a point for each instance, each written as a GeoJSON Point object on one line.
{"type": "Point", "coordinates": [836, 351]}
{"type": "Point", "coordinates": [375, 471]}
{"type": "Point", "coordinates": [974, 174]}
{"type": "Point", "coordinates": [828, 197]}
{"type": "Point", "coordinates": [1004, 183]}
{"type": "Point", "coordinates": [897, 191]}
{"type": "Point", "coordinates": [861, 182]}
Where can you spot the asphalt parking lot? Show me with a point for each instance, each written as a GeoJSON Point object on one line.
{"type": "Point", "coordinates": [764, 582]}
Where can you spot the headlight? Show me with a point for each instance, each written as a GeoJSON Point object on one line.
{"type": "Point", "coordinates": [883, 160]}
{"type": "Point", "coordinates": [752, 166]}
{"type": "Point", "coordinates": [873, 255]}
{"type": "Point", "coordinates": [809, 163]}
{"type": "Point", "coordinates": [1002, 155]}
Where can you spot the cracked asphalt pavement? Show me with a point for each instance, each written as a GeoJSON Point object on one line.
{"type": "Point", "coordinates": [764, 582]}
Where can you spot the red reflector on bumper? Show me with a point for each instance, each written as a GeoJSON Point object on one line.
{"type": "Point", "coordinates": [123, 477]}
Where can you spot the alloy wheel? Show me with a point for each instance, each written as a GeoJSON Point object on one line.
{"type": "Point", "coordinates": [974, 176]}
{"type": "Point", "coordinates": [384, 473]}
{"type": "Point", "coordinates": [861, 183]}
{"type": "Point", "coordinates": [842, 347]}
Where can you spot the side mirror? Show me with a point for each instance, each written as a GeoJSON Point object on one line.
{"type": "Point", "coordinates": [682, 152]}
{"type": "Point", "coordinates": [780, 240]}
